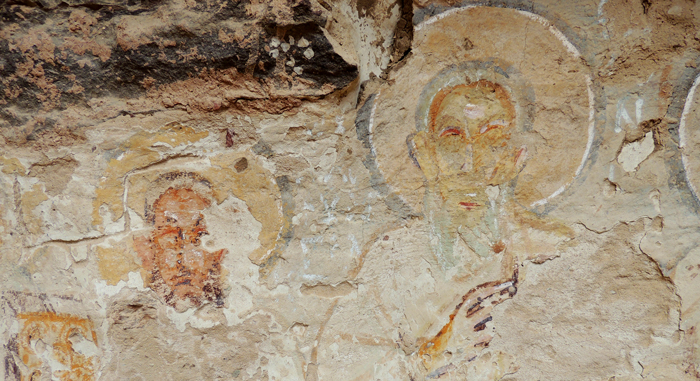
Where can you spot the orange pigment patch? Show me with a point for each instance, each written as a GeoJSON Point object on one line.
{"type": "Point", "coordinates": [50, 335]}
{"type": "Point", "coordinates": [181, 269]}
{"type": "Point", "coordinates": [437, 344]}
{"type": "Point", "coordinates": [499, 247]}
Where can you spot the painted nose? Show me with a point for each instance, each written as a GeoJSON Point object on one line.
{"type": "Point", "coordinates": [468, 164]}
{"type": "Point", "coordinates": [192, 257]}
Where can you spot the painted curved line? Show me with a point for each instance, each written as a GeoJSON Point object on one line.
{"type": "Point", "coordinates": [589, 84]}
{"type": "Point", "coordinates": [442, 16]}
{"type": "Point", "coordinates": [370, 126]}
{"type": "Point", "coordinates": [364, 126]}
{"type": "Point", "coordinates": [591, 123]}
{"type": "Point", "coordinates": [552, 29]}
{"type": "Point", "coordinates": [589, 144]}
{"type": "Point", "coordinates": [683, 137]}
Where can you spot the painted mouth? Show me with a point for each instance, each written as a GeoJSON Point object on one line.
{"type": "Point", "coordinates": [184, 282]}
{"type": "Point", "coordinates": [183, 279]}
{"type": "Point", "coordinates": [469, 205]}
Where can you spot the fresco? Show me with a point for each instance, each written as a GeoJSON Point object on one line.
{"type": "Point", "coordinates": [473, 152]}
{"type": "Point", "coordinates": [56, 346]}
{"type": "Point", "coordinates": [689, 137]}
{"type": "Point", "coordinates": [469, 154]}
{"type": "Point", "coordinates": [181, 270]}
{"type": "Point", "coordinates": [683, 267]}
{"type": "Point", "coordinates": [350, 190]}
{"type": "Point", "coordinates": [214, 178]}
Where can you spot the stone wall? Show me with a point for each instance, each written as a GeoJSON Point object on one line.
{"type": "Point", "coordinates": [349, 190]}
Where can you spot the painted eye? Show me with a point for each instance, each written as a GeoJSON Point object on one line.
{"type": "Point", "coordinates": [167, 236]}
{"type": "Point", "coordinates": [451, 132]}
{"type": "Point", "coordinates": [487, 128]}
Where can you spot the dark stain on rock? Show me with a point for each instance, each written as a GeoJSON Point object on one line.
{"type": "Point", "coordinates": [263, 149]}
{"type": "Point", "coordinates": [40, 126]}
{"type": "Point", "coordinates": [224, 10]}
{"type": "Point", "coordinates": [325, 66]}
{"type": "Point", "coordinates": [230, 133]}
{"type": "Point", "coordinates": [186, 57]}
{"type": "Point", "coordinates": [241, 165]}
{"type": "Point", "coordinates": [10, 12]}
{"type": "Point", "coordinates": [302, 11]}
{"type": "Point", "coordinates": [403, 33]}
{"type": "Point", "coordinates": [365, 7]}
{"type": "Point", "coordinates": [49, 66]}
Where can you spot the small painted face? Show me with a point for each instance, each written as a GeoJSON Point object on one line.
{"type": "Point", "coordinates": [57, 347]}
{"type": "Point", "coordinates": [179, 226]}
{"type": "Point", "coordinates": [468, 143]}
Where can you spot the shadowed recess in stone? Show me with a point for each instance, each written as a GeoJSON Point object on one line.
{"type": "Point", "coordinates": [101, 49]}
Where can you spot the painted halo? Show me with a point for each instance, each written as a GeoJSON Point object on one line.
{"type": "Point", "coordinates": [544, 73]}
{"type": "Point", "coordinates": [689, 136]}
{"type": "Point", "coordinates": [216, 179]}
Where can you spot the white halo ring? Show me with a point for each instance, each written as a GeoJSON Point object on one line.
{"type": "Point", "coordinates": [683, 138]}
{"type": "Point", "coordinates": [568, 47]}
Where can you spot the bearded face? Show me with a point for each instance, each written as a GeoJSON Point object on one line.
{"type": "Point", "coordinates": [182, 271]}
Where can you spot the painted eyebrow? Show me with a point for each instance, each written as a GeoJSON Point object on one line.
{"type": "Point", "coordinates": [458, 131]}
{"type": "Point", "coordinates": [498, 122]}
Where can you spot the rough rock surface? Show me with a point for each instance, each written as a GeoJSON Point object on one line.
{"type": "Point", "coordinates": [349, 190]}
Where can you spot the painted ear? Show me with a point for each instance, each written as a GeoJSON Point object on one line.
{"type": "Point", "coordinates": [220, 254]}
{"type": "Point", "coordinates": [144, 249]}
{"type": "Point", "coordinates": [412, 149]}
{"type": "Point", "coordinates": [421, 151]}
{"type": "Point", "coordinates": [520, 159]}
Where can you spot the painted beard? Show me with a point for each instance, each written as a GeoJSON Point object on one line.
{"type": "Point", "coordinates": [210, 291]}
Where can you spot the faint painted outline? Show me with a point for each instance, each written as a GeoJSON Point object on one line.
{"type": "Point", "coordinates": [683, 138]}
